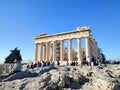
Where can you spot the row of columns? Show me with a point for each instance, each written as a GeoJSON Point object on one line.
{"type": "Point", "coordinates": [45, 50]}
{"type": "Point", "coordinates": [93, 49]}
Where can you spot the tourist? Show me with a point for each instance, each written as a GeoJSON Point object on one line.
{"type": "Point", "coordinates": [58, 63]}
{"type": "Point", "coordinates": [67, 63]}
{"type": "Point", "coordinates": [17, 67]}
{"type": "Point", "coordinates": [99, 62]}
{"type": "Point", "coordinates": [95, 61]}
{"type": "Point", "coordinates": [32, 65]}
{"type": "Point", "coordinates": [73, 63]}
{"type": "Point", "coordinates": [48, 63]}
{"type": "Point", "coordinates": [89, 61]}
{"type": "Point", "coordinates": [35, 65]}
{"type": "Point", "coordinates": [52, 63]}
{"type": "Point", "coordinates": [84, 61]}
{"type": "Point", "coordinates": [28, 66]}
{"type": "Point", "coordinates": [44, 63]}
{"type": "Point", "coordinates": [92, 61]}
{"type": "Point", "coordinates": [76, 63]}
{"type": "Point", "coordinates": [39, 64]}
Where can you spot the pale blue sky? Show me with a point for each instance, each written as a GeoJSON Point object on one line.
{"type": "Point", "coordinates": [22, 20]}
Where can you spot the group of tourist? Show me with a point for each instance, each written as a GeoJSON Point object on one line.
{"type": "Point", "coordinates": [92, 61]}
{"type": "Point", "coordinates": [74, 63]}
{"type": "Point", "coordinates": [40, 64]}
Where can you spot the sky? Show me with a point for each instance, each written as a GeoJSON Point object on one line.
{"type": "Point", "coordinates": [22, 20]}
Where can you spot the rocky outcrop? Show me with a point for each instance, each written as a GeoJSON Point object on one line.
{"type": "Point", "coordinates": [61, 78]}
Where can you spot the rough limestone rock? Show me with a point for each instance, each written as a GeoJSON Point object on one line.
{"type": "Point", "coordinates": [62, 78]}
{"type": "Point", "coordinates": [19, 75]}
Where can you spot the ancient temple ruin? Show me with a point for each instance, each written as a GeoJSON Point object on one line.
{"type": "Point", "coordinates": [45, 45]}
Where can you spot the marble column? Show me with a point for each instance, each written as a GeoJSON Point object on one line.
{"type": "Point", "coordinates": [44, 53]}
{"type": "Point", "coordinates": [87, 48]}
{"type": "Point", "coordinates": [79, 50]}
{"type": "Point", "coordinates": [51, 50]}
{"type": "Point", "coordinates": [54, 50]}
{"type": "Point", "coordinates": [62, 50]}
{"type": "Point", "coordinates": [36, 53]}
{"type": "Point", "coordinates": [47, 51]}
{"type": "Point", "coordinates": [69, 50]}
{"type": "Point", "coordinates": [41, 52]}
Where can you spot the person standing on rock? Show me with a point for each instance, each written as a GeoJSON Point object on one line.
{"type": "Point", "coordinates": [92, 61]}
{"type": "Point", "coordinates": [58, 63]}
{"type": "Point", "coordinates": [99, 62]}
{"type": "Point", "coordinates": [32, 65]}
{"type": "Point", "coordinates": [39, 64]}
{"type": "Point", "coordinates": [89, 61]}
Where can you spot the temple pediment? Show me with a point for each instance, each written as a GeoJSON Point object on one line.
{"type": "Point", "coordinates": [42, 35]}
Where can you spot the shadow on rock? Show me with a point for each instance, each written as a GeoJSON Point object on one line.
{"type": "Point", "coordinates": [19, 75]}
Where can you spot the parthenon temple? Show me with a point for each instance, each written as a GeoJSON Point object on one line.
{"type": "Point", "coordinates": [45, 45]}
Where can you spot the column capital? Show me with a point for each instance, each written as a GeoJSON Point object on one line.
{"type": "Point", "coordinates": [70, 39]}
{"type": "Point", "coordinates": [41, 43]}
{"type": "Point", "coordinates": [78, 38]}
{"type": "Point", "coordinates": [36, 43]}
{"type": "Point", "coordinates": [54, 41]}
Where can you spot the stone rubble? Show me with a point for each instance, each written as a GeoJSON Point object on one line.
{"type": "Point", "coordinates": [68, 78]}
